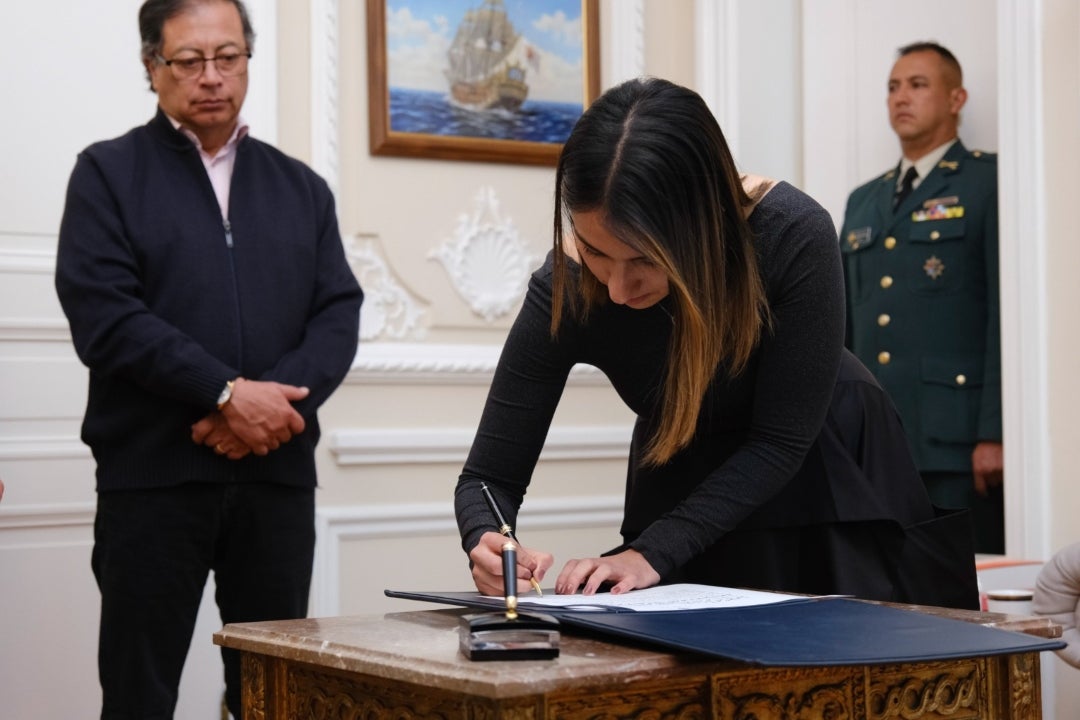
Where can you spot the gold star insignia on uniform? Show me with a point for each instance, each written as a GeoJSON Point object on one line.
{"type": "Point", "coordinates": [933, 267]}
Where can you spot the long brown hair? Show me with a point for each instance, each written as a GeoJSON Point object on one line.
{"type": "Point", "coordinates": [650, 157]}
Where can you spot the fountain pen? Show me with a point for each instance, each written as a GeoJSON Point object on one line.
{"type": "Point", "coordinates": [504, 528]}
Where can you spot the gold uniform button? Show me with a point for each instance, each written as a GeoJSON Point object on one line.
{"type": "Point", "coordinates": [961, 379]}
{"type": "Point", "coordinates": [886, 281]}
{"type": "Point", "coordinates": [935, 235]}
{"type": "Point", "coordinates": [884, 357]}
{"type": "Point", "coordinates": [883, 319]}
{"type": "Point", "coordinates": [890, 243]}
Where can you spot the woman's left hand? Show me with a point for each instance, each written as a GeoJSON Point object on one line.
{"type": "Point", "coordinates": [624, 571]}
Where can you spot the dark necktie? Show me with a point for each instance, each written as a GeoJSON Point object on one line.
{"type": "Point", "coordinates": [905, 187]}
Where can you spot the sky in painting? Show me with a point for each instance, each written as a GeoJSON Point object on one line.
{"type": "Point", "coordinates": [419, 33]}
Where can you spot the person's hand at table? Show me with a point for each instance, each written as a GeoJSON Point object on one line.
{"type": "Point", "coordinates": [624, 571]}
{"type": "Point", "coordinates": [487, 572]}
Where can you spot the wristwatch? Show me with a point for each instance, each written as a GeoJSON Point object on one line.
{"type": "Point", "coordinates": [226, 394]}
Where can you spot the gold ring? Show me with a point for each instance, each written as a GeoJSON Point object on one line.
{"type": "Point", "coordinates": [221, 450]}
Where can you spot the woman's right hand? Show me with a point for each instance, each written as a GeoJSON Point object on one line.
{"type": "Point", "coordinates": [487, 565]}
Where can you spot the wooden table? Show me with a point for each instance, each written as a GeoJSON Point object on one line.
{"type": "Point", "coordinates": [407, 665]}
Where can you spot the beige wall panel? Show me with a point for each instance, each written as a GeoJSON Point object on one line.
{"type": "Point", "coordinates": [29, 302]}
{"type": "Point", "coordinates": [669, 40]}
{"type": "Point", "coordinates": [1061, 60]}
{"type": "Point", "coordinates": [26, 399]}
{"type": "Point", "coordinates": [31, 562]}
{"type": "Point", "coordinates": [425, 562]}
{"type": "Point", "coordinates": [294, 78]}
{"type": "Point", "coordinates": [41, 477]}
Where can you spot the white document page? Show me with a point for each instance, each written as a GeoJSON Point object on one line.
{"type": "Point", "coordinates": [682, 596]}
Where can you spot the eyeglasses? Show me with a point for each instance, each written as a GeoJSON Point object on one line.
{"type": "Point", "coordinates": [228, 64]}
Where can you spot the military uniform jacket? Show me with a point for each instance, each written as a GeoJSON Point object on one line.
{"type": "Point", "coordinates": [923, 303]}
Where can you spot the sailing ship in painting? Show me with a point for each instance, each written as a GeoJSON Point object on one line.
{"type": "Point", "coordinates": [483, 72]}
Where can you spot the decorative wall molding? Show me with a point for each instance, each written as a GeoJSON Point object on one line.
{"type": "Point", "coordinates": [716, 63]}
{"type": "Point", "coordinates": [25, 517]}
{"type": "Point", "coordinates": [624, 58]}
{"type": "Point", "coordinates": [338, 525]}
{"type": "Point", "coordinates": [488, 261]}
{"type": "Point", "coordinates": [60, 447]}
{"type": "Point", "coordinates": [389, 312]}
{"type": "Point", "coordinates": [1022, 246]}
{"type": "Point", "coordinates": [412, 446]}
{"type": "Point", "coordinates": [325, 144]}
{"type": "Point", "coordinates": [382, 363]}
{"type": "Point", "coordinates": [34, 330]}
{"type": "Point", "coordinates": [26, 258]}
{"type": "Point", "coordinates": [261, 103]}
{"type": "Point", "coordinates": [830, 103]}
{"type": "Point", "coordinates": [28, 255]}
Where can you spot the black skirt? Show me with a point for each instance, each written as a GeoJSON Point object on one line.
{"type": "Point", "coordinates": [854, 520]}
{"type": "Point", "coordinates": [929, 563]}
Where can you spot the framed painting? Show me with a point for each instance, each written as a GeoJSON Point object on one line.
{"type": "Point", "coordinates": [483, 80]}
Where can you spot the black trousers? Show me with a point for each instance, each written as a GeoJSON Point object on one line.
{"type": "Point", "coordinates": [957, 490]}
{"type": "Point", "coordinates": [153, 550]}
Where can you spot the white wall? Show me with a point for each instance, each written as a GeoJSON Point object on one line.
{"type": "Point", "coordinates": [848, 50]}
{"type": "Point", "coordinates": [1058, 147]}
{"type": "Point", "coordinates": [747, 61]}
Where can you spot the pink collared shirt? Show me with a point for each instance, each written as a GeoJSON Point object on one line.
{"type": "Point", "coordinates": [219, 167]}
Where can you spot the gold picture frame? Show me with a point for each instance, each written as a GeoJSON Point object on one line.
{"type": "Point", "coordinates": [453, 123]}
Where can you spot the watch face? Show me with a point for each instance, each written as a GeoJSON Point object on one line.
{"type": "Point", "coordinates": [225, 394]}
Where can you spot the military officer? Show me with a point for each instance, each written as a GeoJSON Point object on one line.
{"type": "Point", "coordinates": [920, 248]}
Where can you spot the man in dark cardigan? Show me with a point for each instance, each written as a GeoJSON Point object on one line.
{"type": "Point", "coordinates": [207, 290]}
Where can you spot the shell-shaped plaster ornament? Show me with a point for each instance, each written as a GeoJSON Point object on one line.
{"type": "Point", "coordinates": [487, 261]}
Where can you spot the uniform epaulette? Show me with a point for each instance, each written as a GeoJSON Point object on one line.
{"type": "Point", "coordinates": [982, 155]}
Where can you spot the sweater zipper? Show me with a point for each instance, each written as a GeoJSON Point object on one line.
{"type": "Point", "coordinates": [236, 293]}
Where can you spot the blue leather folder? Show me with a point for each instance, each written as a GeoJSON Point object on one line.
{"type": "Point", "coordinates": [815, 631]}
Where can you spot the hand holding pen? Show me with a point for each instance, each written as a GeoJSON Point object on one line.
{"type": "Point", "coordinates": [505, 528]}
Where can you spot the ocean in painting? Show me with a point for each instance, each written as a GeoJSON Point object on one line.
{"type": "Point", "coordinates": [422, 111]}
